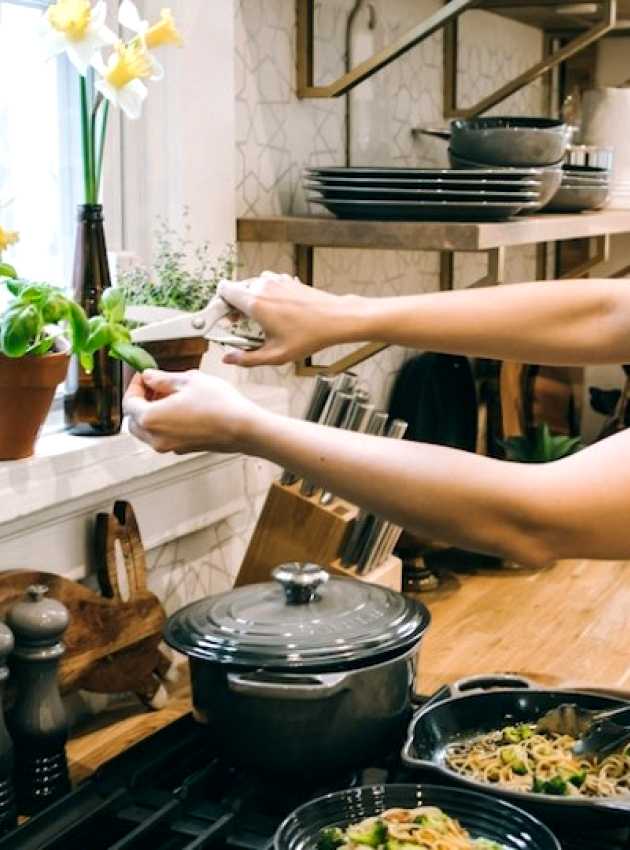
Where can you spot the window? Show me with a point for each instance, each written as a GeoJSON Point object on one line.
{"type": "Point", "coordinates": [39, 146]}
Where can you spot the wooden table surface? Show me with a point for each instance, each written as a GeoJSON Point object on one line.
{"type": "Point", "coordinates": [568, 625]}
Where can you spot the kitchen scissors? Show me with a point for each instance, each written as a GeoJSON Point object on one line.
{"type": "Point", "coordinates": [161, 323]}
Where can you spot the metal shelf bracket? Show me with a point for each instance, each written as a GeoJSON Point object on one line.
{"type": "Point", "coordinates": [550, 61]}
{"type": "Point", "coordinates": [306, 87]}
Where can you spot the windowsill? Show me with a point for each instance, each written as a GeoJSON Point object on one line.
{"type": "Point", "coordinates": [70, 478]}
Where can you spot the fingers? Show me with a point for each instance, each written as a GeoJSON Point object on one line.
{"type": "Point", "coordinates": [261, 357]}
{"type": "Point", "coordinates": [237, 294]}
{"type": "Point", "coordinates": [164, 383]}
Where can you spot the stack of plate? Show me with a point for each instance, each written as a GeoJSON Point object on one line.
{"type": "Point", "coordinates": [583, 187]}
{"type": "Point", "coordinates": [424, 194]}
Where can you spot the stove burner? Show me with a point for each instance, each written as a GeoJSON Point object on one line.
{"type": "Point", "coordinates": [170, 792]}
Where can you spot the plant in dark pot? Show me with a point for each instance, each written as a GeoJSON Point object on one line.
{"type": "Point", "coordinates": [39, 330]}
{"type": "Point", "coordinates": [93, 402]}
{"type": "Point", "coordinates": [183, 277]}
{"type": "Point", "coordinates": [539, 445]}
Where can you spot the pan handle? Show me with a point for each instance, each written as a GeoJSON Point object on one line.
{"type": "Point", "coordinates": [445, 135]}
{"type": "Point", "coordinates": [490, 682]}
{"type": "Point", "coordinates": [269, 686]}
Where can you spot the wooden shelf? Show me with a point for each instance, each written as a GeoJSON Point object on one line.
{"type": "Point", "coordinates": [327, 232]}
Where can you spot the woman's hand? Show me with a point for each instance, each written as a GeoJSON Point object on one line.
{"type": "Point", "coordinates": [188, 412]}
{"type": "Point", "coordinates": [297, 320]}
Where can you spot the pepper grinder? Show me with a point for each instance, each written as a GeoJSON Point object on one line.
{"type": "Point", "coordinates": [8, 811]}
{"type": "Point", "coordinates": [38, 721]}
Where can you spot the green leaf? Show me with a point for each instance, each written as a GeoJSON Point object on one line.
{"type": "Point", "coordinates": [120, 333]}
{"type": "Point", "coordinates": [42, 347]}
{"type": "Point", "coordinates": [19, 328]}
{"type": "Point", "coordinates": [55, 307]}
{"type": "Point", "coordinates": [16, 286]}
{"type": "Point", "coordinates": [112, 304]}
{"type": "Point", "coordinates": [7, 270]}
{"type": "Point", "coordinates": [87, 361]}
{"type": "Point", "coordinates": [133, 356]}
{"type": "Point", "coordinates": [99, 335]}
{"type": "Point", "coordinates": [79, 327]}
{"type": "Point", "coordinates": [540, 446]}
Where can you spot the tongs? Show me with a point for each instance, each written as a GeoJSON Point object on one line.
{"type": "Point", "coordinates": [164, 324]}
{"type": "Point", "coordinates": [596, 731]}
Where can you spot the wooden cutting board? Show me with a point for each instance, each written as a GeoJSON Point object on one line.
{"type": "Point", "coordinates": [112, 642]}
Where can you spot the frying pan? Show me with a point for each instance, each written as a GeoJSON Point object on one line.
{"type": "Point", "coordinates": [467, 709]}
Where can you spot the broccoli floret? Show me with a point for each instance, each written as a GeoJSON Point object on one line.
{"type": "Point", "coordinates": [516, 734]}
{"type": "Point", "coordinates": [577, 779]}
{"type": "Point", "coordinates": [372, 835]}
{"type": "Point", "coordinates": [330, 839]}
{"type": "Point", "coordinates": [512, 757]}
{"type": "Point", "coordinates": [557, 786]}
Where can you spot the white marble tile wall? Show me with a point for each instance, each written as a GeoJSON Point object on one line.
{"type": "Point", "coordinates": [277, 135]}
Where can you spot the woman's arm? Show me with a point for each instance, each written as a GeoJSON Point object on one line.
{"type": "Point", "coordinates": [555, 322]}
{"type": "Point", "coordinates": [532, 514]}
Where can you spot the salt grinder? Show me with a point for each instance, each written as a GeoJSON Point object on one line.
{"type": "Point", "coordinates": [38, 720]}
{"type": "Point", "coordinates": [8, 812]}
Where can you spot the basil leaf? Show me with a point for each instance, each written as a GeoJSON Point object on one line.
{"type": "Point", "coordinates": [55, 307]}
{"type": "Point", "coordinates": [120, 333]}
{"type": "Point", "coordinates": [42, 347]}
{"type": "Point", "coordinates": [7, 270]}
{"type": "Point", "coordinates": [133, 356]}
{"type": "Point", "coordinates": [15, 286]}
{"type": "Point", "coordinates": [79, 327]}
{"type": "Point", "coordinates": [87, 361]}
{"type": "Point", "coordinates": [112, 304]}
{"type": "Point", "coordinates": [100, 335]}
{"type": "Point", "coordinates": [19, 328]}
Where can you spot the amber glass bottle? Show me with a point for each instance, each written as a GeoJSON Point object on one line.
{"type": "Point", "coordinates": [93, 403]}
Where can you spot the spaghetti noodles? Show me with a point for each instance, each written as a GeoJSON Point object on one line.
{"type": "Point", "coordinates": [424, 828]}
{"type": "Point", "coordinates": [522, 759]}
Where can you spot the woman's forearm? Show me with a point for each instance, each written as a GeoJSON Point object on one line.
{"type": "Point", "coordinates": [553, 323]}
{"type": "Point", "coordinates": [461, 498]}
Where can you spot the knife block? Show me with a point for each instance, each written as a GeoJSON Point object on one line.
{"type": "Point", "coordinates": [294, 527]}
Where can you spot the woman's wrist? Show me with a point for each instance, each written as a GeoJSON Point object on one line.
{"type": "Point", "coordinates": [354, 319]}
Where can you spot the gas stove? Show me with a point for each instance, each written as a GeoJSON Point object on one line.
{"type": "Point", "coordinates": [171, 792]}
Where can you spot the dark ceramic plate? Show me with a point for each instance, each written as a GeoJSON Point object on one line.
{"type": "Point", "coordinates": [482, 816]}
{"type": "Point", "coordinates": [349, 193]}
{"type": "Point", "coordinates": [423, 210]}
{"type": "Point", "coordinates": [427, 173]}
{"type": "Point", "coordinates": [468, 183]}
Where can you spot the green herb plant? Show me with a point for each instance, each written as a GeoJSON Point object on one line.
{"type": "Point", "coordinates": [39, 315]}
{"type": "Point", "coordinates": [183, 276]}
{"type": "Point", "coordinates": [540, 446]}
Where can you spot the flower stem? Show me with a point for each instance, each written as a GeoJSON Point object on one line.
{"type": "Point", "coordinates": [101, 145]}
{"type": "Point", "coordinates": [86, 145]}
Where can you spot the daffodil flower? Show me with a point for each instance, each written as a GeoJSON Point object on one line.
{"type": "Point", "coordinates": [78, 29]}
{"type": "Point", "coordinates": [8, 238]}
{"type": "Point", "coordinates": [121, 78]}
{"type": "Point", "coordinates": [162, 33]}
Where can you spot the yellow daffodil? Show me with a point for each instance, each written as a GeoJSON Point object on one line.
{"type": "Point", "coordinates": [121, 79]}
{"type": "Point", "coordinates": [78, 29]}
{"type": "Point", "coordinates": [164, 32]}
{"type": "Point", "coordinates": [8, 238]}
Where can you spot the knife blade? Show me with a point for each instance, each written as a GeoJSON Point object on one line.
{"type": "Point", "coordinates": [337, 407]}
{"type": "Point", "coordinates": [319, 396]}
{"type": "Point", "coordinates": [357, 419]}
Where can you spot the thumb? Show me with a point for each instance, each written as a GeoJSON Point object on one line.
{"type": "Point", "coordinates": [164, 383]}
{"type": "Point", "coordinates": [237, 294]}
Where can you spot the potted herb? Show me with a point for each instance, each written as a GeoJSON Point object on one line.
{"type": "Point", "coordinates": [183, 277]}
{"type": "Point", "coordinates": [539, 445]}
{"type": "Point", "coordinates": [39, 330]}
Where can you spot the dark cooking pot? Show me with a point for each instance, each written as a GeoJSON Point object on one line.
{"type": "Point", "coordinates": [496, 140]}
{"type": "Point", "coordinates": [309, 674]}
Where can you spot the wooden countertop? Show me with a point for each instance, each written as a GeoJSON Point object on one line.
{"type": "Point", "coordinates": [567, 625]}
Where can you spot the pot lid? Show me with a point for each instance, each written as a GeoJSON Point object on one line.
{"type": "Point", "coordinates": [303, 620]}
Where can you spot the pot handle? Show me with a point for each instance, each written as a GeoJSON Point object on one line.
{"type": "Point", "coordinates": [445, 135]}
{"type": "Point", "coordinates": [490, 682]}
{"type": "Point", "coordinates": [318, 686]}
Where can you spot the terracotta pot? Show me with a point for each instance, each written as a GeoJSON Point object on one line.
{"type": "Point", "coordinates": [174, 355]}
{"type": "Point", "coordinates": [27, 388]}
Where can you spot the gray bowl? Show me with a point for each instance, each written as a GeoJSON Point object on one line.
{"type": "Point", "coordinates": [571, 198]}
{"type": "Point", "coordinates": [510, 140]}
{"type": "Point", "coordinates": [550, 175]}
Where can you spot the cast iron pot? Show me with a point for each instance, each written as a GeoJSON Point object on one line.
{"type": "Point", "coordinates": [510, 140]}
{"type": "Point", "coordinates": [305, 677]}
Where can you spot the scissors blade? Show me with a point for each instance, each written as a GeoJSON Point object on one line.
{"type": "Point", "coordinates": [185, 324]}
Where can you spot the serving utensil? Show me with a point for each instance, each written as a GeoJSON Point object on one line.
{"type": "Point", "coordinates": [596, 731]}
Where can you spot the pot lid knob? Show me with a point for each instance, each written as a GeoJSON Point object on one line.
{"type": "Point", "coordinates": [300, 581]}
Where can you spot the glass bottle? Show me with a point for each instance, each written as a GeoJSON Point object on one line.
{"type": "Point", "coordinates": [92, 403]}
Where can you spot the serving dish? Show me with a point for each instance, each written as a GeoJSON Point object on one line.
{"type": "Point", "coordinates": [422, 173]}
{"type": "Point", "coordinates": [482, 816]}
{"type": "Point", "coordinates": [453, 181]}
{"type": "Point", "coordinates": [578, 198]}
{"type": "Point", "coordinates": [463, 715]}
{"type": "Point", "coordinates": [483, 193]}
